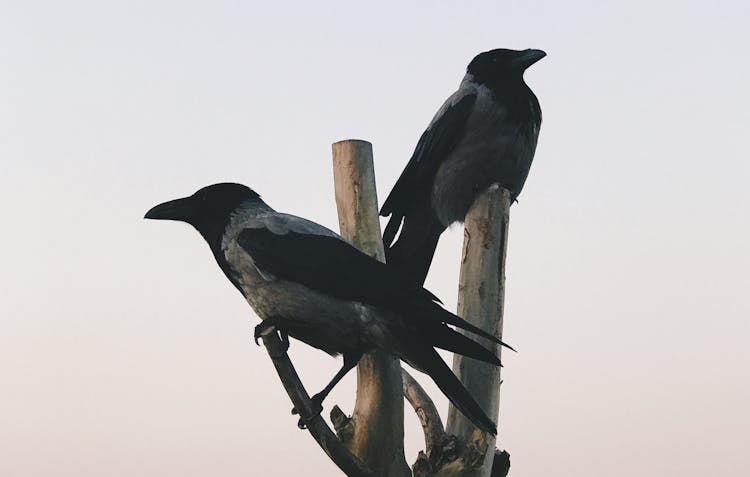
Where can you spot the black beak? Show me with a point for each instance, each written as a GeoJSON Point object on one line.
{"type": "Point", "coordinates": [178, 209]}
{"type": "Point", "coordinates": [528, 57]}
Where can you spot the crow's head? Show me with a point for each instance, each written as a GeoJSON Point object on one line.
{"type": "Point", "coordinates": [500, 65]}
{"type": "Point", "coordinates": [208, 210]}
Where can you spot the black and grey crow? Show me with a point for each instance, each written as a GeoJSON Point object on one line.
{"type": "Point", "coordinates": [485, 133]}
{"type": "Point", "coordinates": [309, 283]}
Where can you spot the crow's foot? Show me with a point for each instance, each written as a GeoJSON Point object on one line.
{"type": "Point", "coordinates": [317, 408]}
{"type": "Point", "coordinates": [269, 326]}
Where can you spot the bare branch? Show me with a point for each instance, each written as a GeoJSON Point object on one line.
{"type": "Point", "coordinates": [432, 425]}
{"type": "Point", "coordinates": [317, 427]}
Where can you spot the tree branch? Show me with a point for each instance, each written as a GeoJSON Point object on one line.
{"type": "Point", "coordinates": [432, 425]}
{"type": "Point", "coordinates": [317, 427]}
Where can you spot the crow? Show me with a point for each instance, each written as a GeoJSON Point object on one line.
{"type": "Point", "coordinates": [308, 283]}
{"type": "Point", "coordinates": [484, 134]}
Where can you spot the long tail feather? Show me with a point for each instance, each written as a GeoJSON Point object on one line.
{"type": "Point", "coordinates": [435, 311]}
{"type": "Point", "coordinates": [412, 252]}
{"type": "Point", "coordinates": [448, 339]}
{"type": "Point", "coordinates": [429, 362]}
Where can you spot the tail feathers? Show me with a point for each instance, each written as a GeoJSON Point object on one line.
{"type": "Point", "coordinates": [447, 317]}
{"type": "Point", "coordinates": [429, 362]}
{"type": "Point", "coordinates": [401, 196]}
{"type": "Point", "coordinates": [413, 251]}
{"type": "Point", "coordinates": [448, 339]}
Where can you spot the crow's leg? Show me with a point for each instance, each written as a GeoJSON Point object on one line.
{"type": "Point", "coordinates": [271, 324]}
{"type": "Point", "coordinates": [350, 361]}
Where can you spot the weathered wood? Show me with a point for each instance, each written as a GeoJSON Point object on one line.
{"type": "Point", "coordinates": [480, 301]}
{"type": "Point", "coordinates": [500, 464]}
{"type": "Point", "coordinates": [378, 418]}
{"type": "Point", "coordinates": [317, 427]}
{"type": "Point", "coordinates": [432, 425]}
{"type": "Point", "coordinates": [356, 197]}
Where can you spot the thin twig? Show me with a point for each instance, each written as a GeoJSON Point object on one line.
{"type": "Point", "coordinates": [318, 428]}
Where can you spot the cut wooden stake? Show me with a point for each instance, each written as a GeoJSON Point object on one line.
{"type": "Point", "coordinates": [378, 418]}
{"type": "Point", "coordinates": [480, 301]}
{"type": "Point", "coordinates": [356, 197]}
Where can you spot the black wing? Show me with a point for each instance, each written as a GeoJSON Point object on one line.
{"type": "Point", "coordinates": [333, 266]}
{"type": "Point", "coordinates": [416, 180]}
{"type": "Point", "coordinates": [330, 265]}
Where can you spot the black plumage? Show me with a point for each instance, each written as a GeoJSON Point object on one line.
{"type": "Point", "coordinates": [312, 285]}
{"type": "Point", "coordinates": [331, 265]}
{"type": "Point", "coordinates": [484, 134]}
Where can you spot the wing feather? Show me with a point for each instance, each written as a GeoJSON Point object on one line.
{"type": "Point", "coordinates": [333, 266]}
{"type": "Point", "coordinates": [415, 183]}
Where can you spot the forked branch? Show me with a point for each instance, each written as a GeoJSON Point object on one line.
{"type": "Point", "coordinates": [317, 427]}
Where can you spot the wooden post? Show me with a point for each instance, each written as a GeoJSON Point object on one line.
{"type": "Point", "coordinates": [378, 418]}
{"type": "Point", "coordinates": [480, 301]}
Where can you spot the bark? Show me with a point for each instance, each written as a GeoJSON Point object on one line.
{"type": "Point", "coordinates": [432, 425]}
{"type": "Point", "coordinates": [480, 301]}
{"type": "Point", "coordinates": [375, 433]}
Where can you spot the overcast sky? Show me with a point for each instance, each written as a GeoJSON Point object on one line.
{"type": "Point", "coordinates": [123, 349]}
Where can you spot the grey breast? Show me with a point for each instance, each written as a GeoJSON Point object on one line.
{"type": "Point", "coordinates": [493, 150]}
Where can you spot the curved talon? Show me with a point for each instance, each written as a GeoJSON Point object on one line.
{"type": "Point", "coordinates": [317, 409]}
{"type": "Point", "coordinates": [302, 423]}
{"type": "Point", "coordinates": [284, 343]}
{"type": "Point", "coordinates": [269, 326]}
{"type": "Point", "coordinates": [258, 331]}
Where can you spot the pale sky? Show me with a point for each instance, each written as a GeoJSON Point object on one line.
{"type": "Point", "coordinates": [123, 349]}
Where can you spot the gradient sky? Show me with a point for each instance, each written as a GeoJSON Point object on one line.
{"type": "Point", "coordinates": [124, 351]}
